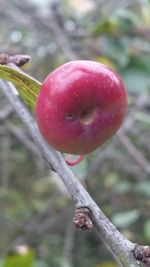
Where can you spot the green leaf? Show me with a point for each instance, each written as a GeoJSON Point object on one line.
{"type": "Point", "coordinates": [127, 19]}
{"type": "Point", "coordinates": [27, 87]}
{"type": "Point", "coordinates": [147, 230]}
{"type": "Point", "coordinates": [106, 25]}
{"type": "Point", "coordinates": [137, 81]}
{"type": "Point", "coordinates": [21, 259]}
{"type": "Point", "coordinates": [122, 21]}
{"type": "Point", "coordinates": [106, 264]}
{"type": "Point", "coordinates": [1, 262]}
{"type": "Point", "coordinates": [39, 263]}
{"type": "Point", "coordinates": [125, 219]}
{"type": "Point", "coordinates": [116, 51]}
{"type": "Point", "coordinates": [123, 187]}
{"type": "Point", "coordinates": [143, 188]}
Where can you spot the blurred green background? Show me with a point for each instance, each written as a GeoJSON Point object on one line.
{"type": "Point", "coordinates": [35, 210]}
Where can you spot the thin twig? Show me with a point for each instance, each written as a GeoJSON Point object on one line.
{"type": "Point", "coordinates": [120, 246]}
{"type": "Point", "coordinates": [134, 152]}
{"type": "Point", "coordinates": [23, 138]}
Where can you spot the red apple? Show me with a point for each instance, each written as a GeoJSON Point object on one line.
{"type": "Point", "coordinates": [80, 106]}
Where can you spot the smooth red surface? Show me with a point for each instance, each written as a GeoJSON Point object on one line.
{"type": "Point", "coordinates": [68, 94]}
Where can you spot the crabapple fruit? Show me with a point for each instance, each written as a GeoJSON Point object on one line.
{"type": "Point", "coordinates": [80, 106]}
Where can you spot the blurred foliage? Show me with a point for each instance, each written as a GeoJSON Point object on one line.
{"type": "Point", "coordinates": [36, 211]}
{"type": "Point", "coordinates": [24, 257]}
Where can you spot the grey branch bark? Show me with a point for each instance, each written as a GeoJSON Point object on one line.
{"type": "Point", "coordinates": [119, 245]}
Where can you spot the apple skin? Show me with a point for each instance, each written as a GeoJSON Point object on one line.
{"type": "Point", "coordinates": [80, 106]}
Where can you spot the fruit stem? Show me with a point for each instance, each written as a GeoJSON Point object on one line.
{"type": "Point", "coordinates": [73, 162]}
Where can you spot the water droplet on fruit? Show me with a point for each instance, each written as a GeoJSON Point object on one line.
{"type": "Point", "coordinates": [69, 117]}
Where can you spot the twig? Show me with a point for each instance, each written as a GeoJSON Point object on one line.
{"type": "Point", "coordinates": [5, 113]}
{"type": "Point", "coordinates": [21, 136]}
{"type": "Point", "coordinates": [137, 156]}
{"type": "Point", "coordinates": [69, 243]}
{"type": "Point", "coordinates": [138, 105]}
{"type": "Point", "coordinates": [134, 152]}
{"type": "Point", "coordinates": [28, 144]}
{"type": "Point", "coordinates": [18, 60]}
{"type": "Point", "coordinates": [50, 23]}
{"type": "Point", "coordinates": [119, 245]}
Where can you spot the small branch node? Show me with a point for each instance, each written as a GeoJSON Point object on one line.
{"type": "Point", "coordinates": [18, 60]}
{"type": "Point", "coordinates": [82, 219]}
{"type": "Point", "coordinates": [4, 59]}
{"type": "Point", "coordinates": [142, 254]}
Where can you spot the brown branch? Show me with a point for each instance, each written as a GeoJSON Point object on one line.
{"type": "Point", "coordinates": [22, 138]}
{"type": "Point", "coordinates": [119, 245]}
{"type": "Point", "coordinates": [18, 60]}
{"type": "Point", "coordinates": [134, 152]}
{"type": "Point", "coordinates": [131, 149]}
{"type": "Point", "coordinates": [49, 21]}
{"type": "Point", "coordinates": [140, 102]}
{"type": "Point", "coordinates": [4, 114]}
{"type": "Point", "coordinates": [28, 145]}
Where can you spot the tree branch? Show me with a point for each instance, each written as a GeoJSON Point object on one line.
{"type": "Point", "coordinates": [121, 247]}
